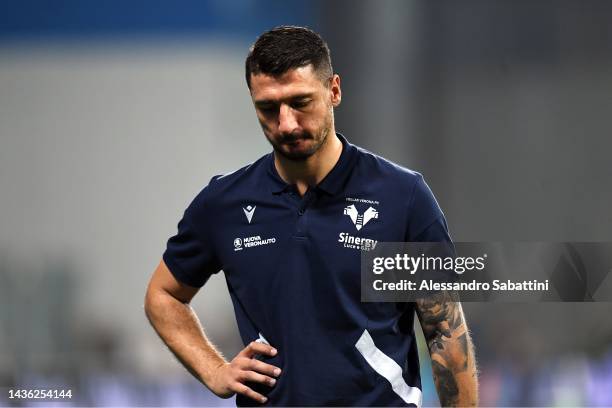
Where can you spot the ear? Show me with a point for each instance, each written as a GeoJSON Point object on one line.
{"type": "Point", "coordinates": [336, 92]}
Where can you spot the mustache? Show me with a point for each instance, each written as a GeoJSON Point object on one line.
{"type": "Point", "coordinates": [292, 137]}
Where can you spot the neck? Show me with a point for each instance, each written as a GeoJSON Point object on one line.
{"type": "Point", "coordinates": [311, 171]}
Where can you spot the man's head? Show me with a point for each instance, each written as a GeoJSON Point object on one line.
{"type": "Point", "coordinates": [294, 90]}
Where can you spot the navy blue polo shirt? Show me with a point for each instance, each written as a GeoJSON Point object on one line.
{"type": "Point", "coordinates": [292, 266]}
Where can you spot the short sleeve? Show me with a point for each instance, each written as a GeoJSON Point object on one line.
{"type": "Point", "coordinates": [190, 254]}
{"type": "Point", "coordinates": [426, 221]}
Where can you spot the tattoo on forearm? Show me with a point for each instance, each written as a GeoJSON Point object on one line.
{"type": "Point", "coordinates": [448, 341]}
{"type": "Point", "coordinates": [446, 384]}
{"type": "Point", "coordinates": [462, 339]}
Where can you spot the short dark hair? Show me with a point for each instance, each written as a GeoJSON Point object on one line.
{"type": "Point", "coordinates": [287, 47]}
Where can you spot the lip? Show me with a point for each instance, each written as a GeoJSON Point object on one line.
{"type": "Point", "coordinates": [293, 143]}
{"type": "Point", "coordinates": [296, 141]}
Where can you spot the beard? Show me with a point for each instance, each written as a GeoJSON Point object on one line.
{"type": "Point", "coordinates": [299, 146]}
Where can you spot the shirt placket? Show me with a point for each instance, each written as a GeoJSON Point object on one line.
{"type": "Point", "coordinates": [303, 207]}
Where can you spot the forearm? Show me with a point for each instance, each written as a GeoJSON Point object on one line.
{"type": "Point", "coordinates": [454, 368]}
{"type": "Point", "coordinates": [178, 326]}
{"type": "Point", "coordinates": [451, 350]}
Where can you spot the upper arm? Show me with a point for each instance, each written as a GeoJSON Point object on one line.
{"type": "Point", "coordinates": [163, 282]}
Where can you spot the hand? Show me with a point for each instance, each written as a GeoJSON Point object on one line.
{"type": "Point", "coordinates": [230, 378]}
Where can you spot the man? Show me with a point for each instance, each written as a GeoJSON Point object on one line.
{"type": "Point", "coordinates": [286, 231]}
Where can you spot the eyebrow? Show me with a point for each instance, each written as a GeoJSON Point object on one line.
{"type": "Point", "coordinates": [262, 102]}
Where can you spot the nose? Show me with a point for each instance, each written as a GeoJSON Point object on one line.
{"type": "Point", "coordinates": [287, 121]}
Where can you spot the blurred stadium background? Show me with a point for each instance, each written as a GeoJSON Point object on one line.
{"type": "Point", "coordinates": [114, 114]}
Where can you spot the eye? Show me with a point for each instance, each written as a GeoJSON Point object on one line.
{"type": "Point", "coordinates": [267, 109]}
{"type": "Point", "coordinates": [300, 103]}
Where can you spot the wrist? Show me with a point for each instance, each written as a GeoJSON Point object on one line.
{"type": "Point", "coordinates": [209, 375]}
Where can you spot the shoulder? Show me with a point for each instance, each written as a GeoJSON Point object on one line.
{"type": "Point", "coordinates": [398, 184]}
{"type": "Point", "coordinates": [248, 175]}
{"type": "Point", "coordinates": [224, 185]}
{"type": "Point", "coordinates": [381, 170]}
{"type": "Point", "coordinates": [409, 192]}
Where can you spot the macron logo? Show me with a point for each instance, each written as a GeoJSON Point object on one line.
{"type": "Point", "coordinates": [360, 220]}
{"type": "Point", "coordinates": [249, 211]}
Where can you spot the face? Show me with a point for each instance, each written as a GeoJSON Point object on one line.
{"type": "Point", "coordinates": [295, 110]}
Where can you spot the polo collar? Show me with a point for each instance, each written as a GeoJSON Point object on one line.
{"type": "Point", "coordinates": [335, 179]}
